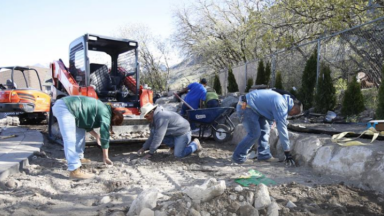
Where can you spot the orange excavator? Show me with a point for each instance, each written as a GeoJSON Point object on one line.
{"type": "Point", "coordinates": [107, 69]}
{"type": "Point", "coordinates": [29, 104]}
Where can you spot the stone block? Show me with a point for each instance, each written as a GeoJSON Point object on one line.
{"type": "Point", "coordinates": [375, 176]}
{"type": "Point", "coordinates": [210, 189]}
{"type": "Point", "coordinates": [305, 148]}
{"type": "Point", "coordinates": [262, 198]}
{"type": "Point", "coordinates": [238, 135]}
{"type": "Point", "coordinates": [146, 199]}
{"type": "Point", "coordinates": [349, 162]}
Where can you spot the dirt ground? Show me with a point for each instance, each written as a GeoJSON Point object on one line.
{"type": "Point", "coordinates": [44, 188]}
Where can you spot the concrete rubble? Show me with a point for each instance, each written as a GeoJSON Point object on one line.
{"type": "Point", "coordinates": [210, 198]}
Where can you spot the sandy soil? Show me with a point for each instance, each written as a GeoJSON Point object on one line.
{"type": "Point", "coordinates": [44, 188]}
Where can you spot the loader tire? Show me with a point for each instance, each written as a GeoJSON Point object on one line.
{"type": "Point", "coordinates": [222, 134]}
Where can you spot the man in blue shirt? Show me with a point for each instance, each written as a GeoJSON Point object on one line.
{"type": "Point", "coordinates": [258, 109]}
{"type": "Point", "coordinates": [195, 96]}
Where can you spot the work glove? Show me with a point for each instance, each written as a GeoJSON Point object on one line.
{"type": "Point", "coordinates": [289, 159]}
{"type": "Point", "coordinates": [141, 152]}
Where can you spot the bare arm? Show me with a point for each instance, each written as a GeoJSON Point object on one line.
{"type": "Point", "coordinates": [106, 159]}
{"type": "Point", "coordinates": [96, 135]}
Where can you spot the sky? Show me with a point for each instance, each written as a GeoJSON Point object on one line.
{"type": "Point", "coordinates": [39, 31]}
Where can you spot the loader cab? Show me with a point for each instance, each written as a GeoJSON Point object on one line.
{"type": "Point", "coordinates": [106, 64]}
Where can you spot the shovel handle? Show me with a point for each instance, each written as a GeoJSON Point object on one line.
{"type": "Point", "coordinates": [183, 101]}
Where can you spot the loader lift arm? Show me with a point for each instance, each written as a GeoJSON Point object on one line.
{"type": "Point", "coordinates": [63, 80]}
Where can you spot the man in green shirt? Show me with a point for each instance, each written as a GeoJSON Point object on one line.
{"type": "Point", "coordinates": [212, 99]}
{"type": "Point", "coordinates": [77, 114]}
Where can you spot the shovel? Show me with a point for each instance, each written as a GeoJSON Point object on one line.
{"type": "Point", "coordinates": [183, 101]}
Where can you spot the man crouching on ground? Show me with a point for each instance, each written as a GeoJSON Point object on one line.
{"type": "Point", "coordinates": [169, 128]}
{"type": "Point", "coordinates": [257, 109]}
{"type": "Point", "coordinates": [77, 114]}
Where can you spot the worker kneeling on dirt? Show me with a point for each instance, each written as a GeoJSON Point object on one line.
{"type": "Point", "coordinates": [169, 128]}
{"type": "Point", "coordinates": [77, 114]}
{"type": "Point", "coordinates": [257, 109]}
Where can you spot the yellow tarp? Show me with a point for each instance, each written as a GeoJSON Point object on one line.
{"type": "Point", "coordinates": [339, 138]}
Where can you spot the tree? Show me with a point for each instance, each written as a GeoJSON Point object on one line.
{"type": "Point", "coordinates": [232, 84]}
{"type": "Point", "coordinates": [279, 81]}
{"type": "Point", "coordinates": [154, 55]}
{"type": "Point", "coordinates": [353, 101]}
{"type": "Point", "coordinates": [249, 84]}
{"type": "Point", "coordinates": [380, 104]}
{"type": "Point", "coordinates": [308, 81]}
{"type": "Point", "coordinates": [219, 31]}
{"type": "Point", "coordinates": [260, 79]}
{"type": "Point", "coordinates": [217, 85]}
{"type": "Point", "coordinates": [267, 73]}
{"type": "Point", "coordinates": [325, 97]}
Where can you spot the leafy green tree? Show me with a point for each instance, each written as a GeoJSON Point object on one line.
{"type": "Point", "coordinates": [380, 104]}
{"type": "Point", "coordinates": [232, 84]}
{"type": "Point", "coordinates": [249, 84]}
{"type": "Point", "coordinates": [217, 85]}
{"type": "Point", "coordinates": [279, 81]}
{"type": "Point", "coordinates": [353, 101]}
{"type": "Point", "coordinates": [267, 73]}
{"type": "Point", "coordinates": [308, 81]}
{"type": "Point", "coordinates": [325, 97]}
{"type": "Point", "coordinates": [260, 79]}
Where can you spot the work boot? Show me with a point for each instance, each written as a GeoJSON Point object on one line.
{"type": "Point", "coordinates": [78, 174]}
{"type": "Point", "coordinates": [85, 160]}
{"type": "Point", "coordinates": [199, 147]}
{"type": "Point", "coordinates": [271, 159]}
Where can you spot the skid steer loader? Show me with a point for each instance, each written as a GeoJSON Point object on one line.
{"type": "Point", "coordinates": [107, 69]}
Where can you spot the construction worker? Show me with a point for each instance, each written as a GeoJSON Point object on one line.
{"type": "Point", "coordinates": [77, 114]}
{"type": "Point", "coordinates": [258, 109]}
{"type": "Point", "coordinates": [211, 99]}
{"type": "Point", "coordinates": [195, 98]}
{"type": "Point", "coordinates": [169, 128]}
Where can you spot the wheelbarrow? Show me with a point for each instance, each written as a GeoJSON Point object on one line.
{"type": "Point", "coordinates": [209, 118]}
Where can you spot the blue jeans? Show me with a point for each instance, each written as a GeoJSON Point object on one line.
{"type": "Point", "coordinates": [73, 137]}
{"type": "Point", "coordinates": [213, 103]}
{"type": "Point", "coordinates": [258, 129]}
{"type": "Point", "coordinates": [180, 143]}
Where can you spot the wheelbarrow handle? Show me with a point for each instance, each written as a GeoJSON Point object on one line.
{"type": "Point", "coordinates": [183, 101]}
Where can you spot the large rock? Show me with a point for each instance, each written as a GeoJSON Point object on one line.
{"type": "Point", "coordinates": [205, 192]}
{"type": "Point", "coordinates": [147, 212]}
{"type": "Point", "coordinates": [175, 107]}
{"type": "Point", "coordinates": [262, 198]}
{"type": "Point", "coordinates": [375, 177]}
{"type": "Point", "coordinates": [238, 135]}
{"type": "Point", "coordinates": [165, 100]}
{"type": "Point", "coordinates": [235, 118]}
{"type": "Point", "coordinates": [349, 162]}
{"type": "Point", "coordinates": [247, 210]}
{"type": "Point", "coordinates": [147, 199]}
{"type": "Point", "coordinates": [273, 209]}
{"type": "Point", "coordinates": [306, 148]}
{"type": "Point", "coordinates": [230, 101]}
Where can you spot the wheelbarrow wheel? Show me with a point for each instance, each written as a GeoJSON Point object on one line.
{"type": "Point", "coordinates": [222, 134]}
